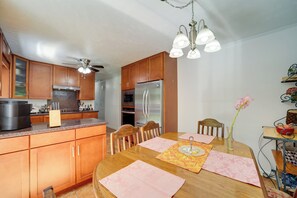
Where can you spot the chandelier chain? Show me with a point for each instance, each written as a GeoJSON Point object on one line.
{"type": "Point", "coordinates": [180, 7]}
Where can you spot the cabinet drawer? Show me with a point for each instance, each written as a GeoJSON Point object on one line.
{"type": "Point", "coordinates": [52, 138]}
{"type": "Point", "coordinates": [90, 115]}
{"type": "Point", "coordinates": [14, 144]}
{"type": "Point", "coordinates": [36, 119]}
{"type": "Point", "coordinates": [90, 131]}
{"type": "Point", "coordinates": [71, 116]}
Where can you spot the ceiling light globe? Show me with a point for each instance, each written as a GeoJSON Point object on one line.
{"type": "Point", "coordinates": [193, 54]}
{"type": "Point", "coordinates": [80, 69]}
{"type": "Point", "coordinates": [176, 53]}
{"type": "Point", "coordinates": [204, 36]}
{"type": "Point", "coordinates": [212, 46]}
{"type": "Point", "coordinates": [181, 41]}
{"type": "Point", "coordinates": [88, 70]}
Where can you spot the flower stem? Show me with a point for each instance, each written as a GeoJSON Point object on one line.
{"type": "Point", "coordinates": [233, 122]}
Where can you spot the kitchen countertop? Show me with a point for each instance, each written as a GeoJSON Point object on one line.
{"type": "Point", "coordinates": [71, 112]}
{"type": "Point", "coordinates": [44, 128]}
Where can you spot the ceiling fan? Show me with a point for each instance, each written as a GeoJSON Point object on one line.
{"type": "Point", "coordinates": [85, 66]}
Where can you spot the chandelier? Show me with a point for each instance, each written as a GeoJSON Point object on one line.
{"type": "Point", "coordinates": [200, 36]}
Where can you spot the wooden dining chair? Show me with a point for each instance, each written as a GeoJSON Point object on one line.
{"type": "Point", "coordinates": [150, 130]}
{"type": "Point", "coordinates": [210, 126]}
{"type": "Point", "coordinates": [125, 137]}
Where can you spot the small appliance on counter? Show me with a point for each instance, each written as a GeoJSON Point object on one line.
{"type": "Point", "coordinates": [14, 115]}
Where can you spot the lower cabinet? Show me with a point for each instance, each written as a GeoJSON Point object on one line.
{"type": "Point", "coordinates": [65, 158]}
{"type": "Point", "coordinates": [90, 151]}
{"type": "Point", "coordinates": [14, 171]}
{"type": "Point", "coordinates": [52, 166]}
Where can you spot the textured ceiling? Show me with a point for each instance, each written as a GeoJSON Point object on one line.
{"type": "Point", "coordinates": [116, 32]}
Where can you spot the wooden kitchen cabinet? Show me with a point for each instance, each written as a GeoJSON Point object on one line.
{"type": "Point", "coordinates": [129, 76]}
{"type": "Point", "coordinates": [20, 77]}
{"type": "Point", "coordinates": [90, 115]}
{"type": "Point", "coordinates": [52, 165]}
{"type": "Point", "coordinates": [156, 67]}
{"type": "Point", "coordinates": [40, 81]}
{"type": "Point", "coordinates": [87, 87]}
{"type": "Point", "coordinates": [90, 151]}
{"type": "Point", "coordinates": [65, 76]}
{"type": "Point", "coordinates": [14, 167]}
{"type": "Point", "coordinates": [14, 171]}
{"type": "Point", "coordinates": [143, 70]}
{"type": "Point", "coordinates": [36, 119]}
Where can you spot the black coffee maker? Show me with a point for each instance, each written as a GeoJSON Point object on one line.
{"type": "Point", "coordinates": [14, 115]}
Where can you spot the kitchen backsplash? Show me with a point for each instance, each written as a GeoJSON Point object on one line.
{"type": "Point", "coordinates": [67, 99]}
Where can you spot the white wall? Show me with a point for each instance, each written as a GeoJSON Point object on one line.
{"type": "Point", "coordinates": [210, 86]}
{"type": "Point", "coordinates": [100, 98]}
{"type": "Point", "coordinates": [113, 102]}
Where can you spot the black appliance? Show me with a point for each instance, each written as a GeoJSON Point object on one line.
{"type": "Point", "coordinates": [14, 115]}
{"type": "Point", "coordinates": [128, 98]}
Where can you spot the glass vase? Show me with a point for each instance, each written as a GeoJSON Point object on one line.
{"type": "Point", "coordinates": [230, 139]}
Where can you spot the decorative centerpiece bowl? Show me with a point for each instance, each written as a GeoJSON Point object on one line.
{"type": "Point", "coordinates": [191, 150]}
{"type": "Point", "coordinates": [284, 129]}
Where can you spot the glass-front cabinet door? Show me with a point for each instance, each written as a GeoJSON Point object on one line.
{"type": "Point", "coordinates": [20, 78]}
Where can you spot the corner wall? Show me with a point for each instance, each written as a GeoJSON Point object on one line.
{"type": "Point", "coordinates": [210, 86]}
{"type": "Point", "coordinates": [113, 102]}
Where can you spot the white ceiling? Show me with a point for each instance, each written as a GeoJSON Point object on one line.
{"type": "Point", "coordinates": [114, 33]}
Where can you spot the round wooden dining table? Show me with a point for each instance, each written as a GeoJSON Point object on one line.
{"type": "Point", "coordinates": [204, 184]}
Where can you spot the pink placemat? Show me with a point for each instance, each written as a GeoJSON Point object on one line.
{"type": "Point", "coordinates": [140, 179]}
{"type": "Point", "coordinates": [198, 137]}
{"type": "Point", "coordinates": [235, 167]}
{"type": "Point", "coordinates": [158, 144]}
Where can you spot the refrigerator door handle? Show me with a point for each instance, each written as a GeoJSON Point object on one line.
{"type": "Point", "coordinates": [147, 103]}
{"type": "Point", "coordinates": [143, 106]}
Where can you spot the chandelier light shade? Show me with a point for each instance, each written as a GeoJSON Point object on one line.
{"type": "Point", "coordinates": [200, 35]}
{"type": "Point", "coordinates": [176, 53]}
{"type": "Point", "coordinates": [212, 46]}
{"type": "Point", "coordinates": [204, 36]}
{"type": "Point", "coordinates": [193, 54]}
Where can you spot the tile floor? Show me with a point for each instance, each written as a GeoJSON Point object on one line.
{"type": "Point", "coordinates": [86, 191]}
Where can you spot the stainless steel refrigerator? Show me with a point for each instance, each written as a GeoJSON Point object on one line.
{"type": "Point", "coordinates": [149, 103]}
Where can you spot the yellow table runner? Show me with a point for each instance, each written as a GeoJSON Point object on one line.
{"type": "Point", "coordinates": [192, 163]}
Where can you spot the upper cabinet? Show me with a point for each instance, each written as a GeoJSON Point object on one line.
{"type": "Point", "coordinates": [40, 80]}
{"type": "Point", "coordinates": [129, 76]}
{"type": "Point", "coordinates": [148, 69]}
{"type": "Point", "coordinates": [87, 87]}
{"type": "Point", "coordinates": [20, 78]}
{"type": "Point", "coordinates": [66, 76]}
{"type": "Point", "coordinates": [5, 67]}
{"type": "Point", "coordinates": [156, 67]}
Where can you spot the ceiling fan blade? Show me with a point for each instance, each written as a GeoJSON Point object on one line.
{"type": "Point", "coordinates": [94, 70]}
{"type": "Point", "coordinates": [76, 64]}
{"type": "Point", "coordinates": [98, 66]}
{"type": "Point", "coordinates": [71, 57]}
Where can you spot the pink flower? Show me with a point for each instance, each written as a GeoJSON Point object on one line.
{"type": "Point", "coordinates": [243, 103]}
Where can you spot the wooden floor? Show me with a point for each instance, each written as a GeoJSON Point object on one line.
{"type": "Point", "coordinates": [86, 191]}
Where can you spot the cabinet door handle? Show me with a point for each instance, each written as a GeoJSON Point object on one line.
{"type": "Point", "coordinates": [78, 150]}
{"type": "Point", "coordinates": [72, 151]}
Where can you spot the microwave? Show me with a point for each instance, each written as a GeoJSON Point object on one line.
{"type": "Point", "coordinates": [128, 98]}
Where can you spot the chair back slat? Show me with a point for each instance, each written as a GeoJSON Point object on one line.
{"type": "Point", "coordinates": [214, 127]}
{"type": "Point", "coordinates": [125, 137]}
{"type": "Point", "coordinates": [150, 130]}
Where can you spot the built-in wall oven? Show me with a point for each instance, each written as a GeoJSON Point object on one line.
{"type": "Point", "coordinates": [128, 109]}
